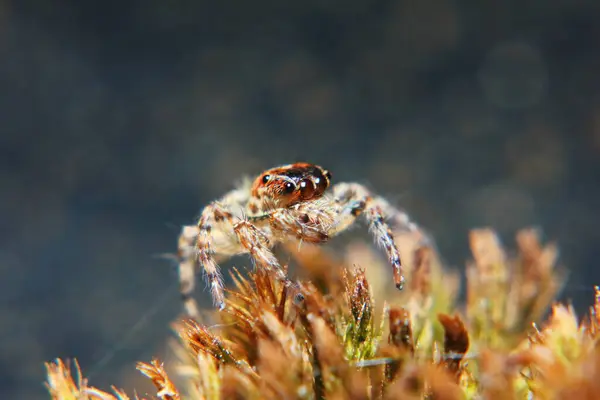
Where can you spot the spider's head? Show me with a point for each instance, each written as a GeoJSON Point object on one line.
{"type": "Point", "coordinates": [291, 184]}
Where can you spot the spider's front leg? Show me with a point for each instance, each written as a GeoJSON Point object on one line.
{"type": "Point", "coordinates": [257, 235]}
{"type": "Point", "coordinates": [307, 222]}
{"type": "Point", "coordinates": [258, 244]}
{"type": "Point", "coordinates": [353, 200]}
{"type": "Point", "coordinates": [218, 230]}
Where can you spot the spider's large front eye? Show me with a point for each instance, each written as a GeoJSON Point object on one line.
{"type": "Point", "coordinates": [266, 178]}
{"type": "Point", "coordinates": [307, 188]}
{"type": "Point", "coordinates": [289, 187]}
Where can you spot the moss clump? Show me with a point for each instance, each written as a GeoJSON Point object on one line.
{"type": "Point", "coordinates": [343, 333]}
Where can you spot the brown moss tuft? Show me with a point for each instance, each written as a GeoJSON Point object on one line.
{"type": "Point", "coordinates": [343, 333]}
{"type": "Point", "coordinates": [155, 371]}
{"type": "Point", "coordinates": [65, 384]}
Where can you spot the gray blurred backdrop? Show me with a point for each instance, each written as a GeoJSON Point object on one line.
{"type": "Point", "coordinates": [119, 120]}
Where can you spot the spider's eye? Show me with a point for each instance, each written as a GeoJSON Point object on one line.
{"type": "Point", "coordinates": [289, 187]}
{"type": "Point", "coordinates": [307, 188]}
{"type": "Point", "coordinates": [328, 175]}
{"type": "Point", "coordinates": [266, 178]}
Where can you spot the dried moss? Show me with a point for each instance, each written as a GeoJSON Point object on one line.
{"type": "Point", "coordinates": [344, 334]}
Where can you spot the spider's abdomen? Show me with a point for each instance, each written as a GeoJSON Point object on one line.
{"type": "Point", "coordinates": [287, 185]}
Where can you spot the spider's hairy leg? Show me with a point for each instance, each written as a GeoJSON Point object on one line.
{"type": "Point", "coordinates": [354, 200]}
{"type": "Point", "coordinates": [258, 244]}
{"type": "Point", "coordinates": [188, 265]}
{"type": "Point", "coordinates": [197, 248]}
{"type": "Point", "coordinates": [352, 195]}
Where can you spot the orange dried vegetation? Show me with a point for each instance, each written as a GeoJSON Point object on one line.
{"type": "Point", "coordinates": [350, 336]}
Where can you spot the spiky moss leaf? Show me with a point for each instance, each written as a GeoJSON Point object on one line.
{"type": "Point", "coordinates": [63, 383]}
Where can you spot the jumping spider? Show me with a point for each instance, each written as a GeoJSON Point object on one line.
{"type": "Point", "coordinates": [289, 202]}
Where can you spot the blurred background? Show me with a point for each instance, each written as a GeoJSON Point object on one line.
{"type": "Point", "coordinates": [120, 120]}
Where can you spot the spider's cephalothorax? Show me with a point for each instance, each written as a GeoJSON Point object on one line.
{"type": "Point", "coordinates": [290, 202]}
{"type": "Point", "coordinates": [286, 186]}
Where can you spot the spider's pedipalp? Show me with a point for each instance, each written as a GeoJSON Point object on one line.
{"type": "Point", "coordinates": [309, 221]}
